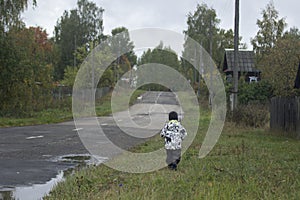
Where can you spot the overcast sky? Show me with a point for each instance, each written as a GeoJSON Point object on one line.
{"type": "Point", "coordinates": [166, 14]}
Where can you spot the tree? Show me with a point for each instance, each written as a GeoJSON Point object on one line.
{"type": "Point", "coordinates": [26, 71]}
{"type": "Point", "coordinates": [81, 54]}
{"type": "Point", "coordinates": [280, 65]}
{"type": "Point", "coordinates": [110, 48]}
{"type": "Point", "coordinates": [277, 52]}
{"type": "Point", "coordinates": [25, 62]}
{"type": "Point", "coordinates": [161, 55]}
{"type": "Point", "coordinates": [203, 28]}
{"type": "Point", "coordinates": [225, 40]}
{"type": "Point", "coordinates": [200, 23]}
{"type": "Point", "coordinates": [91, 22]}
{"type": "Point", "coordinates": [10, 11]}
{"type": "Point", "coordinates": [70, 75]}
{"type": "Point", "coordinates": [120, 42]}
{"type": "Point", "coordinates": [270, 30]}
{"type": "Point", "coordinates": [77, 28]}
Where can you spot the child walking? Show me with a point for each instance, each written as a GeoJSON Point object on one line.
{"type": "Point", "coordinates": [174, 133]}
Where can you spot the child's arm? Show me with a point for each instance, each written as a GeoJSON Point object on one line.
{"type": "Point", "coordinates": [163, 131]}
{"type": "Point", "coordinates": [183, 133]}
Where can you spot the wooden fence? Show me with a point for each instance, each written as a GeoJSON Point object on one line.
{"type": "Point", "coordinates": [61, 92]}
{"type": "Point", "coordinates": [285, 115]}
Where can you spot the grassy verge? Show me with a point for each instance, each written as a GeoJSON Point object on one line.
{"type": "Point", "coordinates": [48, 116]}
{"type": "Point", "coordinates": [103, 106]}
{"type": "Point", "coordinates": [245, 164]}
{"type": "Point", "coordinates": [56, 115]}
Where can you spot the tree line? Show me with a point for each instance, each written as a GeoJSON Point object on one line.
{"type": "Point", "coordinates": [31, 64]}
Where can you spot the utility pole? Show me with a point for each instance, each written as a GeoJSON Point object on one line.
{"type": "Point", "coordinates": [93, 68]}
{"type": "Point", "coordinates": [75, 47]}
{"type": "Point", "coordinates": [93, 64]}
{"type": "Point", "coordinates": [210, 53]}
{"type": "Point", "coordinates": [236, 55]}
{"type": "Point", "coordinates": [195, 71]}
{"type": "Point", "coordinates": [200, 69]}
{"type": "Point", "coordinates": [118, 61]}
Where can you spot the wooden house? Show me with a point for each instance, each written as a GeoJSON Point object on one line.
{"type": "Point", "coordinates": [246, 65]}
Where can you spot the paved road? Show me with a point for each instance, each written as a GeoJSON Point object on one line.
{"type": "Point", "coordinates": [159, 98]}
{"type": "Point", "coordinates": [26, 153]}
{"type": "Point", "coordinates": [29, 155]}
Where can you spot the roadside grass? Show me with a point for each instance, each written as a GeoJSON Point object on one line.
{"type": "Point", "coordinates": [245, 164]}
{"type": "Point", "coordinates": [103, 106]}
{"type": "Point", "coordinates": [53, 115]}
{"type": "Point", "coordinates": [63, 113]}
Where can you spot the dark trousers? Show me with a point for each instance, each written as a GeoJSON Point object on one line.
{"type": "Point", "coordinates": [173, 158]}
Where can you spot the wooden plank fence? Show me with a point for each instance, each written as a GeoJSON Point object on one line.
{"type": "Point", "coordinates": [285, 115]}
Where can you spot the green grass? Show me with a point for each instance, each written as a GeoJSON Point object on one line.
{"type": "Point", "coordinates": [103, 106]}
{"type": "Point", "coordinates": [56, 115]}
{"type": "Point", "coordinates": [43, 117]}
{"type": "Point", "coordinates": [245, 164]}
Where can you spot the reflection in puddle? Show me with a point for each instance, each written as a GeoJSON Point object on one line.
{"type": "Point", "coordinates": [38, 191]}
{"type": "Point", "coordinates": [30, 192]}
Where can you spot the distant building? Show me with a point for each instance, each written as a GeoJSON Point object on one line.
{"type": "Point", "coordinates": [246, 65]}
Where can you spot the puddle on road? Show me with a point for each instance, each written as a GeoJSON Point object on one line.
{"type": "Point", "coordinates": [38, 191]}
{"type": "Point", "coordinates": [30, 192]}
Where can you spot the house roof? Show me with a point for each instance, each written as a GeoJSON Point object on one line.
{"type": "Point", "coordinates": [245, 62]}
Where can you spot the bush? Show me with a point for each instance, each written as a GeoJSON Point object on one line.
{"type": "Point", "coordinates": [251, 115]}
{"type": "Point", "coordinates": [261, 91]}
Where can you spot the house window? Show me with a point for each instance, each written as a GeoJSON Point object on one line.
{"type": "Point", "coordinates": [253, 79]}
